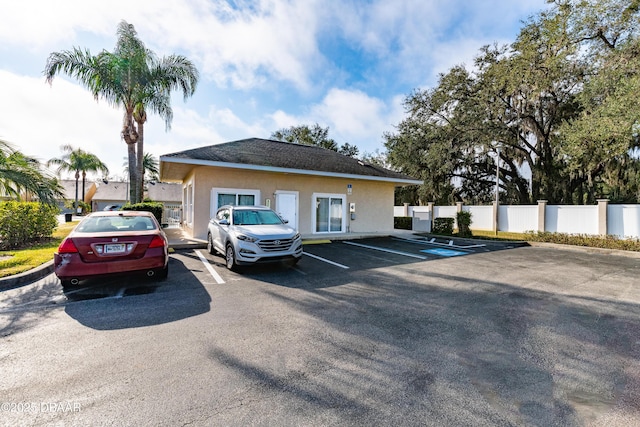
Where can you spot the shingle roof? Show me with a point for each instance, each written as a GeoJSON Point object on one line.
{"type": "Point", "coordinates": [280, 156]}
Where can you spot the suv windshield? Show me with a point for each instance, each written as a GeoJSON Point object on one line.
{"type": "Point", "coordinates": [255, 217]}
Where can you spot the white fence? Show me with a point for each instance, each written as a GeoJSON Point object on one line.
{"type": "Point", "coordinates": [172, 215]}
{"type": "Point", "coordinates": [572, 219]}
{"type": "Point", "coordinates": [616, 220]}
{"type": "Point", "coordinates": [624, 220]}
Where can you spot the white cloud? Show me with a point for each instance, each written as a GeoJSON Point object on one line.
{"type": "Point", "coordinates": [38, 23]}
{"type": "Point", "coordinates": [282, 120]}
{"type": "Point", "coordinates": [45, 117]}
{"type": "Point", "coordinates": [408, 39]}
{"type": "Point", "coordinates": [244, 47]}
{"type": "Point", "coordinates": [351, 113]}
{"type": "Point", "coordinates": [42, 118]}
{"type": "Point", "coordinates": [268, 54]}
{"type": "Point", "coordinates": [352, 116]}
{"type": "Point", "coordinates": [358, 118]}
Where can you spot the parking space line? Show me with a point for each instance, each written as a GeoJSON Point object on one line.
{"type": "Point", "coordinates": [391, 251]}
{"type": "Point", "coordinates": [299, 271]}
{"type": "Point", "coordinates": [433, 242]}
{"type": "Point", "coordinates": [325, 260]}
{"type": "Point", "coordinates": [213, 272]}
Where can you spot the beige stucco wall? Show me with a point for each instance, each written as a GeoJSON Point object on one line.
{"type": "Point", "coordinates": [373, 199]}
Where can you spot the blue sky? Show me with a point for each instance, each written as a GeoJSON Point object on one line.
{"type": "Point", "coordinates": [264, 65]}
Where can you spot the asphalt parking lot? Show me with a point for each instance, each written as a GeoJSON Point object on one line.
{"type": "Point", "coordinates": [367, 332]}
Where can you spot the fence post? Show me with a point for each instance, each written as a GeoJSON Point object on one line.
{"type": "Point", "coordinates": [405, 209]}
{"type": "Point", "coordinates": [602, 216]}
{"type": "Point", "coordinates": [542, 213]}
{"type": "Point", "coordinates": [431, 213]}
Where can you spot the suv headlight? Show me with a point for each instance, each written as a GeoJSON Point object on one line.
{"type": "Point", "coordinates": [246, 238]}
{"type": "Point", "coordinates": [297, 236]}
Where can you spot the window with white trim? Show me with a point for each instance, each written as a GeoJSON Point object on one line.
{"type": "Point", "coordinates": [233, 196]}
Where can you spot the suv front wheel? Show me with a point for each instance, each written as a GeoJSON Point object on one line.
{"type": "Point", "coordinates": [210, 247]}
{"type": "Point", "coordinates": [230, 256]}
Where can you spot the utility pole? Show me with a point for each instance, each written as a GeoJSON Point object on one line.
{"type": "Point", "coordinates": [497, 189]}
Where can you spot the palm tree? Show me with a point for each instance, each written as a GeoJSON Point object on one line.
{"type": "Point", "coordinates": [149, 168]}
{"type": "Point", "coordinates": [78, 161]}
{"type": "Point", "coordinates": [134, 78]}
{"type": "Point", "coordinates": [23, 174]}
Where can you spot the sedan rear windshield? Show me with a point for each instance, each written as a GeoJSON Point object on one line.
{"type": "Point", "coordinates": [255, 217]}
{"type": "Point", "coordinates": [116, 223]}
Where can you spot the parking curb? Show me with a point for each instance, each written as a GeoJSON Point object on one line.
{"type": "Point", "coordinates": [21, 279]}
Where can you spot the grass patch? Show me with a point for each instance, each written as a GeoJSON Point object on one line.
{"type": "Point", "coordinates": [502, 235]}
{"type": "Point", "coordinates": [19, 261]}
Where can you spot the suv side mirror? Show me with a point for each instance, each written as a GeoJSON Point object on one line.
{"type": "Point", "coordinates": [223, 222]}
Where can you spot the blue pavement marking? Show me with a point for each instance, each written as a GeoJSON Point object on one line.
{"type": "Point", "coordinates": [443, 252]}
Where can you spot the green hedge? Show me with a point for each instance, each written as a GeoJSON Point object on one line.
{"type": "Point", "coordinates": [464, 224]}
{"type": "Point", "coordinates": [155, 208]}
{"type": "Point", "coordinates": [443, 226]}
{"type": "Point", "coordinates": [403, 222]}
{"type": "Point", "coordinates": [606, 242]}
{"type": "Point", "coordinates": [25, 222]}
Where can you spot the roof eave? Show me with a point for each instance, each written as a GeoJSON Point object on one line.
{"type": "Point", "coordinates": [199, 162]}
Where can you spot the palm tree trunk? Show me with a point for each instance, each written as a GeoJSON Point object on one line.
{"type": "Point", "coordinates": [130, 136]}
{"type": "Point", "coordinates": [133, 175]}
{"type": "Point", "coordinates": [140, 160]}
{"type": "Point", "coordinates": [75, 205]}
{"type": "Point", "coordinates": [84, 178]}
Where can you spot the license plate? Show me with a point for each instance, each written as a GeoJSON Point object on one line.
{"type": "Point", "coordinates": [115, 248]}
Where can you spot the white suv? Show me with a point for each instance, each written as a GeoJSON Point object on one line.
{"type": "Point", "coordinates": [251, 234]}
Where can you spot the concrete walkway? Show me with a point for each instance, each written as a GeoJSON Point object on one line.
{"type": "Point", "coordinates": [178, 239]}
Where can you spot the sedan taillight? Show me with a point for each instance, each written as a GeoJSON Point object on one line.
{"type": "Point", "coordinates": [157, 242]}
{"type": "Point", "coordinates": [67, 247]}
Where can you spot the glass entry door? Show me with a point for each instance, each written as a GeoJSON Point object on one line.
{"type": "Point", "coordinates": [329, 214]}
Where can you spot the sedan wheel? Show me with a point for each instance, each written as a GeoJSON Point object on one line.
{"type": "Point", "coordinates": [210, 247]}
{"type": "Point", "coordinates": [231, 258]}
{"type": "Point", "coordinates": [163, 273]}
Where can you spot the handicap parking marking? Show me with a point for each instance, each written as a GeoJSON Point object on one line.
{"type": "Point", "coordinates": [443, 252]}
{"type": "Point", "coordinates": [433, 242]}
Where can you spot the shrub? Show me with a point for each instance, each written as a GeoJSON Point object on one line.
{"type": "Point", "coordinates": [155, 208]}
{"type": "Point", "coordinates": [464, 224]}
{"type": "Point", "coordinates": [403, 222]}
{"type": "Point", "coordinates": [25, 222]}
{"type": "Point", "coordinates": [443, 226]}
{"type": "Point", "coordinates": [607, 242]}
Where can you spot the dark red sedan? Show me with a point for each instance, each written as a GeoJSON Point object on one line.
{"type": "Point", "coordinates": [110, 243]}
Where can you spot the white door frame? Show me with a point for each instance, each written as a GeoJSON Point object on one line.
{"type": "Point", "coordinates": [314, 199]}
{"type": "Point", "coordinates": [295, 193]}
